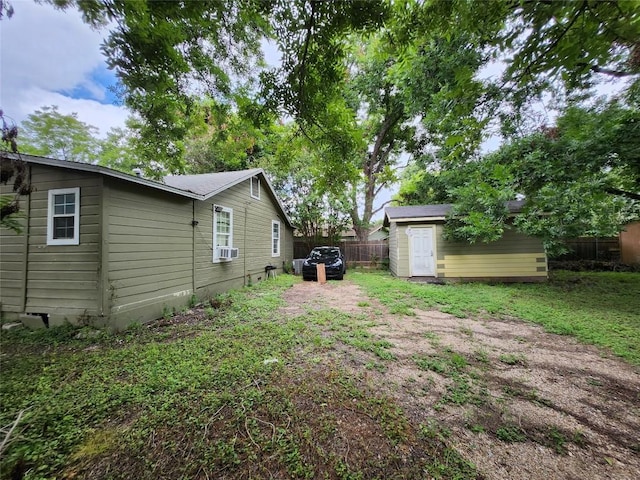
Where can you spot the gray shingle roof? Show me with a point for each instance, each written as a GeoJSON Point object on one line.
{"type": "Point", "coordinates": [434, 211]}
{"type": "Point", "coordinates": [207, 184]}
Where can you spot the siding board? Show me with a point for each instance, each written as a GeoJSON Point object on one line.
{"type": "Point", "coordinates": [46, 294]}
{"type": "Point", "coordinates": [124, 259]}
{"type": "Point", "coordinates": [251, 235]}
{"type": "Point", "coordinates": [12, 261]}
{"type": "Point", "coordinates": [149, 274]}
{"type": "Point", "coordinates": [515, 255]}
{"type": "Point", "coordinates": [149, 239]}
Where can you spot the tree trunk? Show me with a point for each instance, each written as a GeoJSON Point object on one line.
{"type": "Point", "coordinates": [373, 165]}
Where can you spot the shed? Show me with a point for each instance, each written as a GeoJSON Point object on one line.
{"type": "Point", "coordinates": [417, 249]}
{"type": "Point", "coordinates": [104, 247]}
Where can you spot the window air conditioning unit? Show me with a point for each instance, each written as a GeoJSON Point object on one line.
{"type": "Point", "coordinates": [227, 252]}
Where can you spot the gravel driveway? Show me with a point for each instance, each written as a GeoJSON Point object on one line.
{"type": "Point", "coordinates": [516, 401]}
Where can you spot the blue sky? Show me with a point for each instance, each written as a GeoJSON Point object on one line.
{"type": "Point", "coordinates": [106, 81]}
{"type": "Point", "coordinates": [50, 57]}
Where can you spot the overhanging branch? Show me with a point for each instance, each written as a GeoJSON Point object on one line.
{"type": "Point", "coordinates": [384, 204]}
{"type": "Point", "coordinates": [622, 193]}
{"type": "Point", "coordinates": [608, 71]}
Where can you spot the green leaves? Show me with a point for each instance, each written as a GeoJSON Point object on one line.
{"type": "Point", "coordinates": [580, 177]}
{"type": "Point", "coordinates": [49, 133]}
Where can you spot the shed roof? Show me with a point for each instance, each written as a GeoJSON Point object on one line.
{"type": "Point", "coordinates": [432, 212]}
{"type": "Point", "coordinates": [197, 187]}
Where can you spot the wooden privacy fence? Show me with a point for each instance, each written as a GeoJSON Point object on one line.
{"type": "Point", "coordinates": [591, 248]}
{"type": "Point", "coordinates": [356, 253]}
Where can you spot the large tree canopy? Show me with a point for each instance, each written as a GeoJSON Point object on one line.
{"type": "Point", "coordinates": [169, 54]}
{"type": "Point", "coordinates": [579, 177]}
{"type": "Point", "coordinates": [415, 84]}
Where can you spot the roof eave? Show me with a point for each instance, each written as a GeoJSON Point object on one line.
{"type": "Point", "coordinates": [87, 167]}
{"type": "Point", "coordinates": [90, 168]}
{"type": "Point", "coordinates": [416, 219]}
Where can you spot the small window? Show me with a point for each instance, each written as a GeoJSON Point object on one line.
{"type": "Point", "coordinates": [63, 217]}
{"type": "Point", "coordinates": [222, 230]}
{"type": "Point", "coordinates": [255, 187]}
{"type": "Point", "coordinates": [275, 238]}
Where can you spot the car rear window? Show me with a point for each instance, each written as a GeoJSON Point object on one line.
{"type": "Point", "coordinates": [324, 253]}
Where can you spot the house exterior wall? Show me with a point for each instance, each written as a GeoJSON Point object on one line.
{"type": "Point", "coordinates": [13, 262]}
{"type": "Point", "coordinates": [59, 280]}
{"type": "Point", "coordinates": [252, 223]}
{"type": "Point", "coordinates": [148, 244]}
{"type": "Point", "coordinates": [287, 245]}
{"type": "Point", "coordinates": [514, 257]}
{"type": "Point", "coordinates": [138, 254]}
{"type": "Point", "coordinates": [378, 235]}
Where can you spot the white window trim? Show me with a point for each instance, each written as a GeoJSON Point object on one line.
{"type": "Point", "coordinates": [254, 194]}
{"type": "Point", "coordinates": [215, 234]}
{"type": "Point", "coordinates": [76, 222]}
{"type": "Point", "coordinates": [275, 222]}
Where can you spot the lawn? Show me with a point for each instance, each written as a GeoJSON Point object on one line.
{"type": "Point", "coordinates": [599, 308]}
{"type": "Point", "coordinates": [243, 393]}
{"type": "Point", "coordinates": [246, 392]}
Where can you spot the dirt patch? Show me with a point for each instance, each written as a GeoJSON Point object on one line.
{"type": "Point", "coordinates": [520, 403]}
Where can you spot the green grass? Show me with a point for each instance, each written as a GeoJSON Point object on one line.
{"type": "Point", "coordinates": [513, 359]}
{"type": "Point", "coordinates": [182, 400]}
{"type": "Point", "coordinates": [208, 399]}
{"type": "Point", "coordinates": [599, 308]}
{"type": "Point", "coordinates": [464, 385]}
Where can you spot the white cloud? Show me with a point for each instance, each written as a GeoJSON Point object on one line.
{"type": "Point", "coordinates": [44, 51]}
{"type": "Point", "coordinates": [89, 111]}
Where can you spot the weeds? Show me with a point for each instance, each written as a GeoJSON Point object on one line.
{"type": "Point", "coordinates": [511, 433]}
{"type": "Point", "coordinates": [513, 359]}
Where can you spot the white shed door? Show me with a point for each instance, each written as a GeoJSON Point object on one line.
{"type": "Point", "coordinates": [421, 252]}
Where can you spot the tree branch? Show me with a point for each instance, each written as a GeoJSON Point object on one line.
{"type": "Point", "coordinates": [379, 189]}
{"type": "Point", "coordinates": [555, 43]}
{"type": "Point", "coordinates": [384, 204]}
{"type": "Point", "coordinates": [303, 61]}
{"type": "Point", "coordinates": [8, 433]}
{"type": "Point", "coordinates": [622, 193]}
{"type": "Point", "coordinates": [607, 71]}
{"type": "Point", "coordinates": [386, 126]}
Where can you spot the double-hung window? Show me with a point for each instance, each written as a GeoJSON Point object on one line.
{"type": "Point", "coordinates": [275, 238]}
{"type": "Point", "coordinates": [63, 217]}
{"type": "Point", "coordinates": [255, 187]}
{"type": "Point", "coordinates": [222, 230]}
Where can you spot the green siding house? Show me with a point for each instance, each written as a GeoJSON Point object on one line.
{"type": "Point", "coordinates": [109, 248]}
{"type": "Point", "coordinates": [417, 249]}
